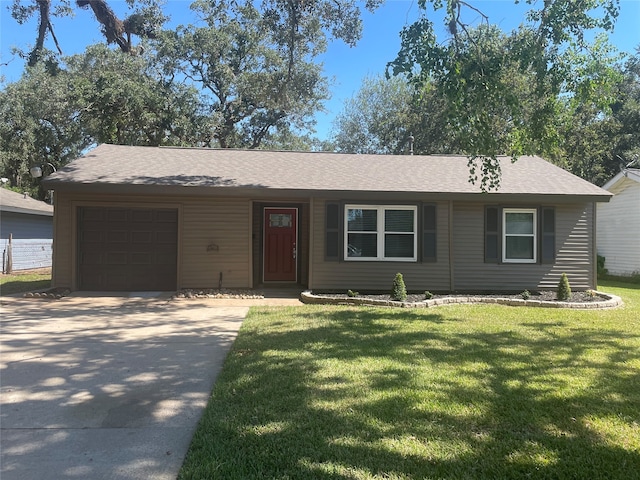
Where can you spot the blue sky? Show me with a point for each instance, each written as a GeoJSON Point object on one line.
{"type": "Point", "coordinates": [344, 65]}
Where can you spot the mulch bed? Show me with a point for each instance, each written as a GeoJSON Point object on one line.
{"type": "Point", "coordinates": [576, 297]}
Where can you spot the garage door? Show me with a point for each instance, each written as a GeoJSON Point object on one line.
{"type": "Point", "coordinates": [127, 249]}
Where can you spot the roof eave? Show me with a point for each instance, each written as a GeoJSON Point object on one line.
{"type": "Point", "coordinates": [28, 211]}
{"type": "Point", "coordinates": [266, 192]}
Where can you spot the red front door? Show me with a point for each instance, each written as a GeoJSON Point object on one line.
{"type": "Point", "coordinates": [280, 248]}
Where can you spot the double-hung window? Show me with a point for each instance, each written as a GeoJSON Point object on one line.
{"type": "Point", "coordinates": [380, 233]}
{"type": "Point", "coordinates": [519, 243]}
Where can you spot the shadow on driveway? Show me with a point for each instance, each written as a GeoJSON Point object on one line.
{"type": "Point", "coordinates": [106, 387]}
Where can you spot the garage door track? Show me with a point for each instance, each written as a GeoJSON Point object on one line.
{"type": "Point", "coordinates": [106, 387]}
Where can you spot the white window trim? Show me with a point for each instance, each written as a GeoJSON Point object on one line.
{"type": "Point", "coordinates": [533, 235]}
{"type": "Point", "coordinates": [380, 209]}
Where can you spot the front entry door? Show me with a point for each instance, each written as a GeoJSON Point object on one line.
{"type": "Point", "coordinates": [280, 244]}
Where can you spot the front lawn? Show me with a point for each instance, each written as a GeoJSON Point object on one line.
{"type": "Point", "coordinates": [466, 391]}
{"type": "Point", "coordinates": [24, 282]}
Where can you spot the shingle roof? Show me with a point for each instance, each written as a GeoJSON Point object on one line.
{"type": "Point", "coordinates": [111, 165]}
{"type": "Point", "coordinates": [22, 203]}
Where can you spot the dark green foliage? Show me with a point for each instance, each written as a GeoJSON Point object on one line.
{"type": "Point", "coordinates": [399, 290]}
{"type": "Point", "coordinates": [526, 295]}
{"type": "Point", "coordinates": [351, 293]}
{"type": "Point", "coordinates": [503, 92]}
{"type": "Point", "coordinates": [602, 271]}
{"type": "Point", "coordinates": [428, 295]}
{"type": "Point", "coordinates": [383, 115]}
{"type": "Point", "coordinates": [564, 289]}
{"type": "Point", "coordinates": [253, 66]}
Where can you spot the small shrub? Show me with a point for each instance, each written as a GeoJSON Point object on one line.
{"type": "Point", "coordinates": [602, 272]}
{"type": "Point", "coordinates": [525, 295]}
{"type": "Point", "coordinates": [399, 290]}
{"type": "Point", "coordinates": [564, 289]}
{"type": "Point", "coordinates": [591, 294]}
{"type": "Point", "coordinates": [351, 293]}
{"type": "Point", "coordinates": [428, 295]}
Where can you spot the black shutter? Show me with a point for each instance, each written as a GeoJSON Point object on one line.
{"type": "Point", "coordinates": [429, 237]}
{"type": "Point", "coordinates": [548, 235]}
{"type": "Point", "coordinates": [492, 234]}
{"type": "Point", "coordinates": [332, 232]}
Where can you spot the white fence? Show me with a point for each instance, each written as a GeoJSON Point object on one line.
{"type": "Point", "coordinates": [22, 254]}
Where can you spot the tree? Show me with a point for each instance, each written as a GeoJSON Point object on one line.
{"type": "Point", "coordinates": [378, 119]}
{"type": "Point", "coordinates": [385, 112]}
{"type": "Point", "coordinates": [626, 110]}
{"type": "Point", "coordinates": [144, 20]}
{"type": "Point", "coordinates": [480, 75]}
{"type": "Point", "coordinates": [38, 125]}
{"type": "Point", "coordinates": [51, 115]}
{"type": "Point", "coordinates": [597, 142]}
{"type": "Point", "coordinates": [255, 64]}
{"type": "Point", "coordinates": [125, 99]}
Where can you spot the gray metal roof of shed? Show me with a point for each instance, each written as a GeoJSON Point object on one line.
{"type": "Point", "coordinates": [114, 167]}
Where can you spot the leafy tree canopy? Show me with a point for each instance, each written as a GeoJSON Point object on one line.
{"type": "Point", "coordinates": [386, 113]}
{"type": "Point", "coordinates": [597, 145]}
{"type": "Point", "coordinates": [480, 73]}
{"type": "Point", "coordinates": [38, 125]}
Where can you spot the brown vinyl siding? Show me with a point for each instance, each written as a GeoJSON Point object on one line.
{"type": "Point", "coordinates": [216, 240]}
{"type": "Point", "coordinates": [343, 275]}
{"type": "Point", "coordinates": [223, 235]}
{"type": "Point", "coordinates": [204, 224]}
{"type": "Point", "coordinates": [63, 242]}
{"type": "Point", "coordinates": [574, 249]}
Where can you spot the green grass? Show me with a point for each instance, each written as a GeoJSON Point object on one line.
{"type": "Point", "coordinates": [459, 392]}
{"type": "Point", "coordinates": [24, 282]}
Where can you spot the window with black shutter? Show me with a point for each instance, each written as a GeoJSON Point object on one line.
{"type": "Point", "coordinates": [332, 232]}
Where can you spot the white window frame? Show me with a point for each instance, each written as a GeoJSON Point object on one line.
{"type": "Point", "coordinates": [533, 235]}
{"type": "Point", "coordinates": [380, 232]}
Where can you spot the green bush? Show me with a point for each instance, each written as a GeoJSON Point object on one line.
{"type": "Point", "coordinates": [525, 295]}
{"type": "Point", "coordinates": [600, 266]}
{"type": "Point", "coordinates": [399, 290]}
{"type": "Point", "coordinates": [564, 289]}
{"type": "Point", "coordinates": [351, 293]}
{"type": "Point", "coordinates": [428, 295]}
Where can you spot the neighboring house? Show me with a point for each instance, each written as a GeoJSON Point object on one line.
{"type": "Point", "coordinates": [148, 218]}
{"type": "Point", "coordinates": [618, 232]}
{"type": "Point", "coordinates": [29, 223]}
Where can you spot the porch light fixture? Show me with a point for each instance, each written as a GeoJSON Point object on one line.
{"type": "Point", "coordinates": [36, 170]}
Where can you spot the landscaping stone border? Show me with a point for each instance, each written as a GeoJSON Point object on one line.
{"type": "Point", "coordinates": [610, 301]}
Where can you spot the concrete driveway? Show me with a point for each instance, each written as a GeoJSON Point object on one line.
{"type": "Point", "coordinates": [106, 387]}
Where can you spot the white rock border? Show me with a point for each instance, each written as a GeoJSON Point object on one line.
{"type": "Point", "coordinates": [611, 301]}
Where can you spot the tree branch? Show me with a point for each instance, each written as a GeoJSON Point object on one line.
{"type": "Point", "coordinates": [112, 26]}
{"type": "Point", "coordinates": [44, 7]}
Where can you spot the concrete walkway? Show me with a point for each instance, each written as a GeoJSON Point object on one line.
{"type": "Point", "coordinates": [97, 387]}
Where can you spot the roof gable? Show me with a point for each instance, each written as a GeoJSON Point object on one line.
{"type": "Point", "coordinates": [226, 169]}
{"type": "Point", "coordinates": [625, 177]}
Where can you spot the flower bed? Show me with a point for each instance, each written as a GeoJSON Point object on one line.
{"type": "Point", "coordinates": [581, 300]}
